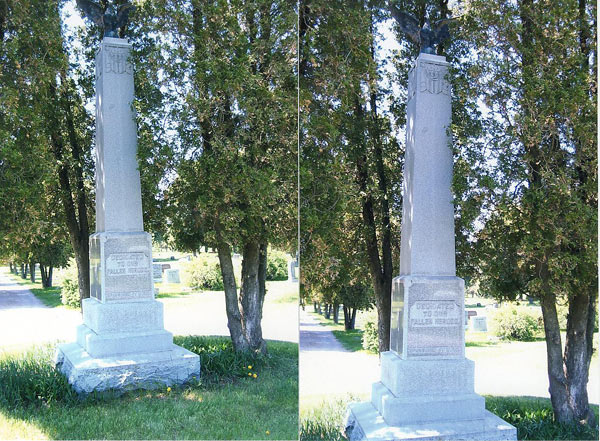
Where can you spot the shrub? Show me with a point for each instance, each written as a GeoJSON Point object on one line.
{"type": "Point", "coordinates": [69, 293]}
{"type": "Point", "coordinates": [370, 337]}
{"type": "Point", "coordinates": [30, 379]}
{"type": "Point", "coordinates": [203, 273]}
{"type": "Point", "coordinates": [561, 311]}
{"type": "Point", "coordinates": [517, 323]}
{"type": "Point", "coordinates": [534, 419]}
{"type": "Point", "coordinates": [277, 265]}
{"type": "Point", "coordinates": [218, 360]}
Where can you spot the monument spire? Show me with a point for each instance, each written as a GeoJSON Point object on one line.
{"type": "Point", "coordinates": [427, 384]}
{"type": "Point", "coordinates": [122, 343]}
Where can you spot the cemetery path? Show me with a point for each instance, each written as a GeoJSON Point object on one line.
{"type": "Point", "coordinates": [24, 319]}
{"type": "Point", "coordinates": [327, 368]}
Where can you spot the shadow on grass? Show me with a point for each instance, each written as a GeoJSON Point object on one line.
{"type": "Point", "coordinates": [172, 295]}
{"type": "Point", "coordinates": [480, 344]}
{"type": "Point", "coordinates": [225, 403]}
{"type": "Point", "coordinates": [532, 417]}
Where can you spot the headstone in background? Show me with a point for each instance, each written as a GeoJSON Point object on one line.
{"type": "Point", "coordinates": [122, 343]}
{"type": "Point", "coordinates": [172, 276]}
{"type": "Point", "coordinates": [157, 272]}
{"type": "Point", "coordinates": [293, 271]}
{"type": "Point", "coordinates": [479, 324]}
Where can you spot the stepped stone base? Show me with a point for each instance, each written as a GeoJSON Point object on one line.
{"type": "Point", "coordinates": [142, 370]}
{"type": "Point", "coordinates": [424, 400]}
{"type": "Point", "coordinates": [365, 423]}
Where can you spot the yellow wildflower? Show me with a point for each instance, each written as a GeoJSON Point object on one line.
{"type": "Point", "coordinates": [168, 389]}
{"type": "Point", "coordinates": [249, 366]}
{"type": "Point", "coordinates": [254, 375]}
{"type": "Point", "coordinates": [267, 432]}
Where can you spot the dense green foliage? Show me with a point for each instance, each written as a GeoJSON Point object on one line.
{"type": "Point", "coordinates": [520, 323]}
{"type": "Point", "coordinates": [218, 360]}
{"type": "Point", "coordinates": [69, 292]}
{"type": "Point", "coordinates": [277, 265]}
{"type": "Point", "coordinates": [29, 379]}
{"type": "Point", "coordinates": [324, 422]}
{"type": "Point", "coordinates": [370, 339]}
{"type": "Point", "coordinates": [203, 273]}
{"type": "Point", "coordinates": [534, 419]}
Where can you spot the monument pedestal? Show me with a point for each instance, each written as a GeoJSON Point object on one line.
{"type": "Point", "coordinates": [426, 390]}
{"type": "Point", "coordinates": [122, 343]}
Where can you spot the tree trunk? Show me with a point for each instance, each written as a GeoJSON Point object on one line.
{"type": "Point", "coordinates": [327, 310]}
{"type": "Point", "coordinates": [49, 282]}
{"type": "Point", "coordinates": [234, 318]}
{"type": "Point", "coordinates": [380, 271]}
{"type": "Point", "coordinates": [577, 356]}
{"type": "Point", "coordinates": [32, 271]}
{"type": "Point", "coordinates": [44, 276]}
{"type": "Point", "coordinates": [23, 271]}
{"type": "Point", "coordinates": [10, 266]}
{"type": "Point", "coordinates": [75, 208]}
{"type": "Point", "coordinates": [252, 294]}
{"type": "Point", "coordinates": [559, 395]}
{"type": "Point", "coordinates": [349, 318]}
{"type": "Point", "coordinates": [336, 313]}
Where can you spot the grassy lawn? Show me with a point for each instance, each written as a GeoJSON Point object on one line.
{"type": "Point", "coordinates": [350, 340]}
{"type": "Point", "coordinates": [224, 404]}
{"type": "Point", "coordinates": [322, 418]}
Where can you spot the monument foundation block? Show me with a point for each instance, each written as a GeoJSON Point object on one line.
{"type": "Point", "coordinates": [426, 390]}
{"type": "Point", "coordinates": [122, 343]}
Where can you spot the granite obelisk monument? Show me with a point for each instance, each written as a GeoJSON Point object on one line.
{"type": "Point", "coordinates": [427, 385]}
{"type": "Point", "coordinates": [122, 343]}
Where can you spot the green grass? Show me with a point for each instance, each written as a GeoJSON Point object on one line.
{"type": "Point", "coordinates": [531, 416]}
{"type": "Point", "coordinates": [224, 404]}
{"type": "Point", "coordinates": [323, 419]}
{"type": "Point", "coordinates": [350, 340]}
{"type": "Point", "coordinates": [49, 296]}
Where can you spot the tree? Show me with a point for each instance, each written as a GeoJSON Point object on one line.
{"type": "Point", "coordinates": [232, 100]}
{"type": "Point", "coordinates": [538, 78]}
{"type": "Point", "coordinates": [344, 129]}
{"type": "Point", "coordinates": [351, 149]}
{"type": "Point", "coordinates": [46, 118]}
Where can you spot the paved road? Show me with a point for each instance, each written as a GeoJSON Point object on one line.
{"type": "Point", "coordinates": [24, 319]}
{"type": "Point", "coordinates": [327, 368]}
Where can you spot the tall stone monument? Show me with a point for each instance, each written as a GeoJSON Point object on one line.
{"type": "Point", "coordinates": [426, 390]}
{"type": "Point", "coordinates": [122, 343]}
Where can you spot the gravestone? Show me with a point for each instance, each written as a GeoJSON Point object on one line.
{"type": "Point", "coordinates": [172, 276]}
{"type": "Point", "coordinates": [479, 324]}
{"type": "Point", "coordinates": [427, 385]}
{"type": "Point", "coordinates": [293, 271]}
{"type": "Point", "coordinates": [122, 343]}
{"type": "Point", "coordinates": [157, 272]}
